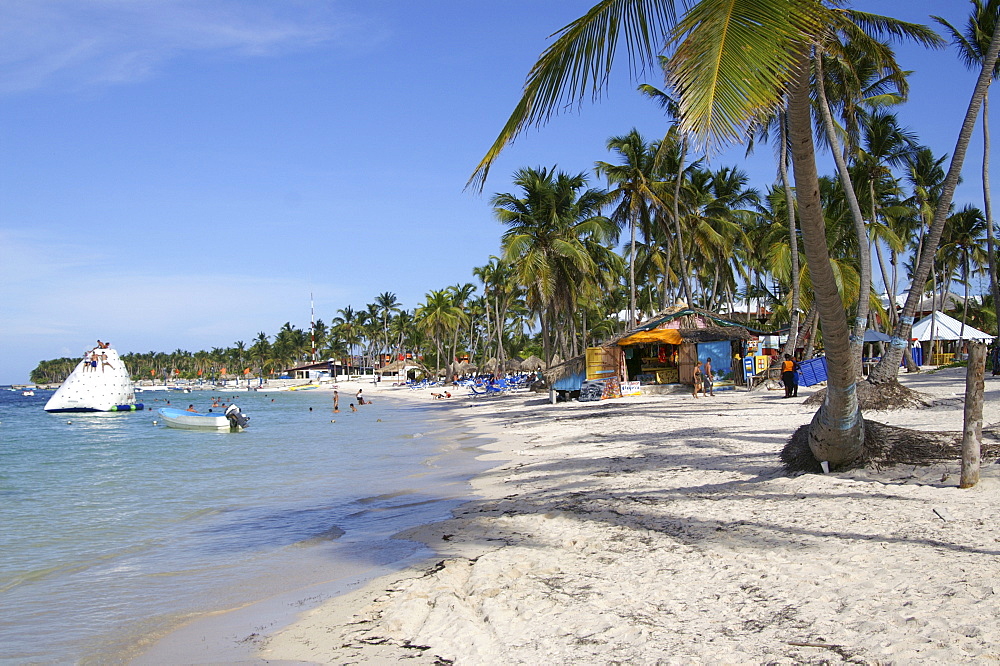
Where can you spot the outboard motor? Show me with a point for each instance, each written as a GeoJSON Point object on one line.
{"type": "Point", "coordinates": [237, 419]}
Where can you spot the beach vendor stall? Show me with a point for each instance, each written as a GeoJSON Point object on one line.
{"type": "Point", "coordinates": [664, 349]}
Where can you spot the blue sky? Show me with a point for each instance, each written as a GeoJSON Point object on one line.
{"type": "Point", "coordinates": [183, 174]}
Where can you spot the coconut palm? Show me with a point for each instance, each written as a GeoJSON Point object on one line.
{"type": "Point", "coordinates": [633, 180]}
{"type": "Point", "coordinates": [438, 316]}
{"type": "Point", "coordinates": [557, 242]}
{"type": "Point", "coordinates": [732, 62]}
{"type": "Point", "coordinates": [888, 366]}
{"type": "Point", "coordinates": [961, 249]}
{"type": "Point", "coordinates": [388, 305]}
{"type": "Point", "coordinates": [973, 43]}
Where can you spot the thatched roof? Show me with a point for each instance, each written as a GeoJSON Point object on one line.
{"type": "Point", "coordinates": [512, 365]}
{"type": "Point", "coordinates": [532, 363]}
{"type": "Point", "coordinates": [400, 366]}
{"type": "Point", "coordinates": [573, 366]}
{"type": "Point", "coordinates": [712, 333]}
{"type": "Point", "coordinates": [715, 327]}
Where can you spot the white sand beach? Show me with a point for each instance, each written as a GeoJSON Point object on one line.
{"type": "Point", "coordinates": [663, 530]}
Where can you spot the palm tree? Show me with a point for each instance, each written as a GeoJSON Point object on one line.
{"type": "Point", "coordinates": [500, 291]}
{"type": "Point", "coordinates": [388, 305]}
{"type": "Point", "coordinates": [556, 240]}
{"type": "Point", "coordinates": [962, 249]}
{"type": "Point", "coordinates": [438, 316]}
{"type": "Point", "coordinates": [888, 366]}
{"type": "Point", "coordinates": [460, 295]}
{"type": "Point", "coordinates": [973, 44]}
{"type": "Point", "coordinates": [633, 180]}
{"type": "Point", "coordinates": [732, 62]}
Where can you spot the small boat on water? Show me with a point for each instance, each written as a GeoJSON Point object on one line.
{"type": "Point", "coordinates": [233, 419]}
{"type": "Point", "coordinates": [100, 383]}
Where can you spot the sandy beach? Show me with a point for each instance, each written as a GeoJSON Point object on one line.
{"type": "Point", "coordinates": [663, 530]}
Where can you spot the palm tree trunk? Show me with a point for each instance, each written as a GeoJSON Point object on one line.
{"type": "Point", "coordinates": [886, 281]}
{"type": "Point", "coordinates": [810, 327]}
{"type": "Point", "coordinates": [631, 276]}
{"type": "Point", "coordinates": [793, 329]}
{"type": "Point", "coordinates": [546, 343]}
{"type": "Point", "coordinates": [677, 223]}
{"type": "Point", "coordinates": [836, 433]}
{"type": "Point", "coordinates": [991, 252]}
{"type": "Point", "coordinates": [887, 368]}
{"type": "Point", "coordinates": [860, 231]}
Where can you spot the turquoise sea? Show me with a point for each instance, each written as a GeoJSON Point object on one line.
{"type": "Point", "coordinates": [114, 530]}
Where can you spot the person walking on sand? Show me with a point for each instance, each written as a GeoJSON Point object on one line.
{"type": "Point", "coordinates": [788, 367]}
{"type": "Point", "coordinates": [696, 379]}
{"type": "Point", "coordinates": [707, 378]}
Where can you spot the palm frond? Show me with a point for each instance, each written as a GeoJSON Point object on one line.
{"type": "Point", "coordinates": [578, 62]}
{"type": "Point", "coordinates": [733, 62]}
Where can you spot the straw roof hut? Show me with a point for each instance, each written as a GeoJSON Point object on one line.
{"type": "Point", "coordinates": [512, 365]}
{"type": "Point", "coordinates": [403, 366]}
{"type": "Point", "coordinates": [681, 323]}
{"type": "Point", "coordinates": [532, 363]}
{"type": "Point", "coordinates": [490, 365]}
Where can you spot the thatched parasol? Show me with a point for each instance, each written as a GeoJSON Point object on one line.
{"type": "Point", "coordinates": [491, 365]}
{"type": "Point", "coordinates": [532, 363]}
{"type": "Point", "coordinates": [512, 365]}
{"type": "Point", "coordinates": [401, 366]}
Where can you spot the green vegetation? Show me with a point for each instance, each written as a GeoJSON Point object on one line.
{"type": "Point", "coordinates": [784, 72]}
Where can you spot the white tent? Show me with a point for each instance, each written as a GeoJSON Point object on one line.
{"type": "Point", "coordinates": [946, 328]}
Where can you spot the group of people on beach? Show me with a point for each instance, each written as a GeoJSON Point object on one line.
{"type": "Point", "coordinates": [703, 380]}
{"type": "Point", "coordinates": [359, 397]}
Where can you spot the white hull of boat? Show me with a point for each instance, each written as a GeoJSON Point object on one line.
{"type": "Point", "coordinates": [179, 418]}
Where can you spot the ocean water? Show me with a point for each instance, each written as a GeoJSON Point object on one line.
{"type": "Point", "coordinates": [113, 530]}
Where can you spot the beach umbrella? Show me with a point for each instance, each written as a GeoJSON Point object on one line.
{"type": "Point", "coordinates": [876, 336]}
{"type": "Point", "coordinates": [512, 365]}
{"type": "Point", "coordinates": [532, 363]}
{"type": "Point", "coordinates": [491, 365]}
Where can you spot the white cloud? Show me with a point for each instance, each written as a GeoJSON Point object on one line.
{"type": "Point", "coordinates": [104, 42]}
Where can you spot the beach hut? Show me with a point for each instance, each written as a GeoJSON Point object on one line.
{"type": "Point", "coordinates": [664, 348]}
{"type": "Point", "coordinates": [403, 370]}
{"type": "Point", "coordinates": [532, 363]}
{"type": "Point", "coordinates": [512, 365]}
{"type": "Point", "coordinates": [941, 337]}
{"type": "Point", "coordinates": [566, 378]}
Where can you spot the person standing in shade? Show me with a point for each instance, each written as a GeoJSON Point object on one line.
{"type": "Point", "coordinates": [696, 379]}
{"type": "Point", "coordinates": [707, 378]}
{"type": "Point", "coordinates": [336, 401]}
{"type": "Point", "coordinates": [788, 367]}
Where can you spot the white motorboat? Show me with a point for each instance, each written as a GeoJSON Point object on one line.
{"type": "Point", "coordinates": [232, 419]}
{"type": "Point", "coordinates": [100, 383]}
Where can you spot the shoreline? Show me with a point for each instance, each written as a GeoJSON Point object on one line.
{"type": "Point", "coordinates": [233, 634]}
{"type": "Point", "coordinates": [663, 528]}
